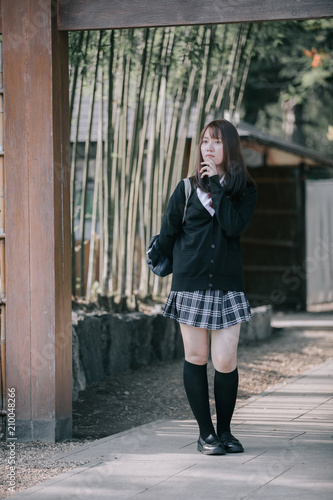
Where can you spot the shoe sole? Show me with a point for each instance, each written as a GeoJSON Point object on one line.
{"type": "Point", "coordinates": [209, 452]}
{"type": "Point", "coordinates": [235, 451]}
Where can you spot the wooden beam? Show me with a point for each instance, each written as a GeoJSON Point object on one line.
{"type": "Point", "coordinates": [38, 300]}
{"type": "Point", "coordinates": [109, 14]}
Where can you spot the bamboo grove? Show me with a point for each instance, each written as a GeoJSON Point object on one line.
{"type": "Point", "coordinates": [152, 90]}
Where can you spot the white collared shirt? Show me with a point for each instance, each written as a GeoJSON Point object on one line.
{"type": "Point", "coordinates": [205, 199]}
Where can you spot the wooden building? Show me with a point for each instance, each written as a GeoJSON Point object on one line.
{"type": "Point", "coordinates": [36, 291]}
{"type": "Point", "coordinates": [275, 250]}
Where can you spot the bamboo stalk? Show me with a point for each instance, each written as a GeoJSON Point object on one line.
{"type": "Point", "coordinates": [114, 194]}
{"type": "Point", "coordinates": [161, 118]}
{"type": "Point", "coordinates": [150, 193]}
{"type": "Point", "coordinates": [144, 276]}
{"type": "Point", "coordinates": [98, 168]}
{"type": "Point", "coordinates": [138, 176]}
{"type": "Point", "coordinates": [244, 32]}
{"type": "Point", "coordinates": [136, 164]}
{"type": "Point", "coordinates": [210, 37]}
{"type": "Point", "coordinates": [160, 129]}
{"type": "Point", "coordinates": [116, 162]}
{"type": "Point", "coordinates": [254, 37]}
{"type": "Point", "coordinates": [114, 187]}
{"type": "Point", "coordinates": [141, 201]}
{"type": "Point", "coordinates": [223, 59]}
{"type": "Point", "coordinates": [157, 144]}
{"type": "Point", "coordinates": [74, 78]}
{"type": "Point", "coordinates": [182, 130]}
{"type": "Point", "coordinates": [206, 37]}
{"type": "Point", "coordinates": [170, 155]}
{"type": "Point", "coordinates": [157, 157]}
{"type": "Point", "coordinates": [73, 171]}
{"type": "Point", "coordinates": [150, 199]}
{"type": "Point", "coordinates": [175, 114]}
{"type": "Point", "coordinates": [101, 225]}
{"type": "Point", "coordinates": [115, 235]}
{"type": "Point", "coordinates": [107, 216]}
{"type": "Point", "coordinates": [86, 167]}
{"type": "Point", "coordinates": [123, 212]}
{"type": "Point", "coordinates": [138, 206]}
{"type": "Point", "coordinates": [226, 81]}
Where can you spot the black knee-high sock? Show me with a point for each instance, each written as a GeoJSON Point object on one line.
{"type": "Point", "coordinates": [225, 391]}
{"type": "Point", "coordinates": [196, 387]}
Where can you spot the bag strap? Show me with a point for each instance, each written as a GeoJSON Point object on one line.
{"type": "Point", "coordinates": [188, 189]}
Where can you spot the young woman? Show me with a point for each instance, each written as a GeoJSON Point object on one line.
{"type": "Point", "coordinates": [207, 292]}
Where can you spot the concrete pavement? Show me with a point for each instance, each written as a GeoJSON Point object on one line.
{"type": "Point", "coordinates": [286, 431]}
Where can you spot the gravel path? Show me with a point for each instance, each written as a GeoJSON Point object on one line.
{"type": "Point", "coordinates": [154, 392]}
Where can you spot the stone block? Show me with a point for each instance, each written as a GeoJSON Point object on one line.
{"type": "Point", "coordinates": [179, 346]}
{"type": "Point", "coordinates": [91, 343]}
{"type": "Point", "coordinates": [119, 351]}
{"type": "Point", "coordinates": [163, 338]}
{"type": "Point", "coordinates": [259, 327]}
{"type": "Point", "coordinates": [142, 352]}
{"type": "Point", "coordinates": [167, 341]}
{"type": "Point", "coordinates": [79, 378]}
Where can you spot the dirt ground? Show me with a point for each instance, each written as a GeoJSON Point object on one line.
{"type": "Point", "coordinates": [156, 392]}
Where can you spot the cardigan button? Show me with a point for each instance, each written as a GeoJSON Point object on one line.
{"type": "Point", "coordinates": [213, 246]}
{"type": "Point", "coordinates": [210, 275]}
{"type": "Point", "coordinates": [212, 261]}
{"type": "Point", "coordinates": [210, 285]}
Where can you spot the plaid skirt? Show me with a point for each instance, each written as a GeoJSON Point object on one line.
{"type": "Point", "coordinates": [211, 309]}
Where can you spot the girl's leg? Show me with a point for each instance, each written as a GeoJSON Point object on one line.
{"type": "Point", "coordinates": [196, 346]}
{"type": "Point", "coordinates": [224, 345]}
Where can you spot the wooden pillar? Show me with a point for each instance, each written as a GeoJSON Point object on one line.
{"type": "Point", "coordinates": [38, 299]}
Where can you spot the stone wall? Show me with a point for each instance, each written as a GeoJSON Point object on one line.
{"type": "Point", "coordinates": [107, 344]}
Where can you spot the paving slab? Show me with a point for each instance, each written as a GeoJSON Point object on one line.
{"type": "Point", "coordinates": [302, 320]}
{"type": "Point", "coordinates": [286, 431]}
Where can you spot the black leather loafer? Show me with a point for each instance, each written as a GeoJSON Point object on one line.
{"type": "Point", "coordinates": [231, 444]}
{"type": "Point", "coordinates": [211, 446]}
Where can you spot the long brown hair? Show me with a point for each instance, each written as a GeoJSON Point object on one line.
{"type": "Point", "coordinates": [237, 177]}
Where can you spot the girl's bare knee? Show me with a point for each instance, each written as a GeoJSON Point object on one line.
{"type": "Point", "coordinates": [196, 358]}
{"type": "Point", "coordinates": [224, 365]}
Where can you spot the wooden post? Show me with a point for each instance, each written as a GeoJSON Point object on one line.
{"type": "Point", "coordinates": [38, 298]}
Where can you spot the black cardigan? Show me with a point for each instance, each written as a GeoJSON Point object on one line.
{"type": "Point", "coordinates": [205, 250]}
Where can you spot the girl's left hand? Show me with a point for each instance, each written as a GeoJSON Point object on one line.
{"type": "Point", "coordinates": [209, 168]}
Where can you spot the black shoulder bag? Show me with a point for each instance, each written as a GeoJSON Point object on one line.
{"type": "Point", "coordinates": [158, 263]}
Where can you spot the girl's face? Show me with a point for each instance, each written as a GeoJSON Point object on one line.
{"type": "Point", "coordinates": [212, 148]}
